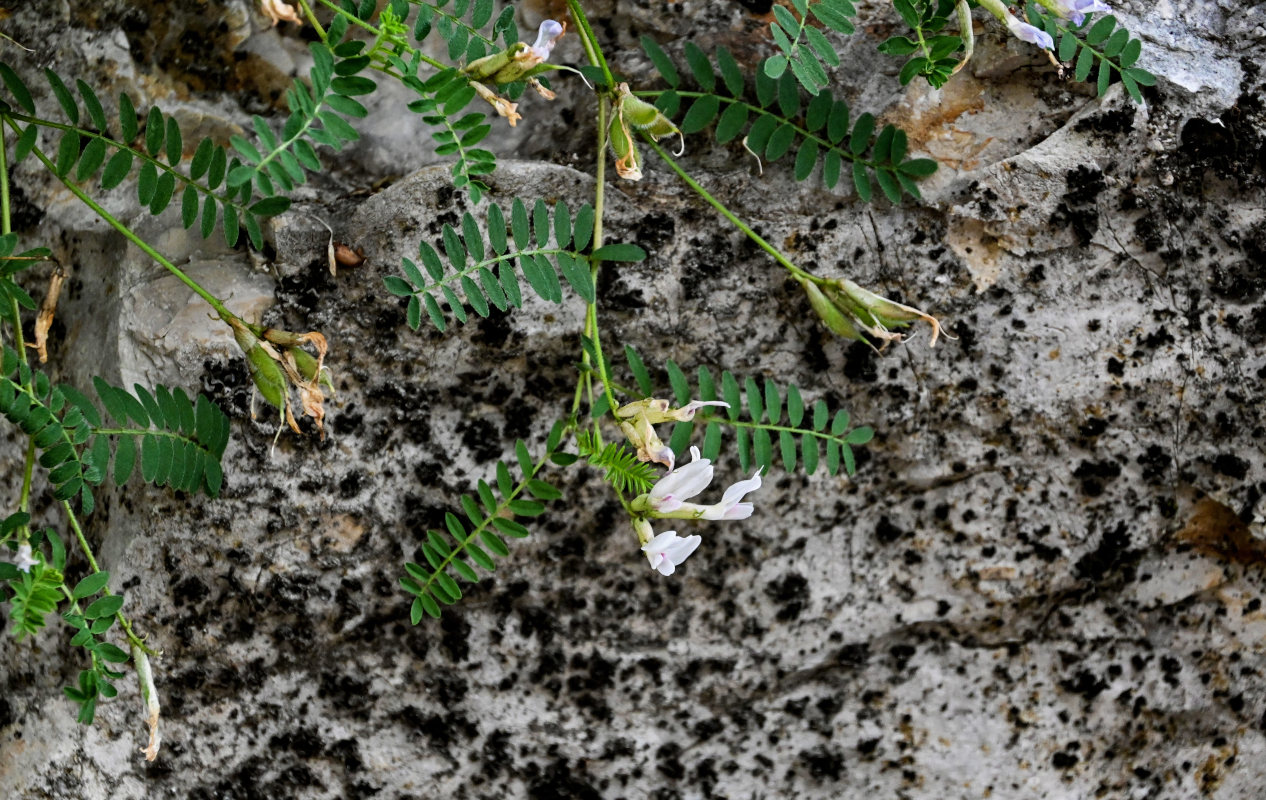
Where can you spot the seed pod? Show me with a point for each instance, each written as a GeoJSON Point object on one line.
{"type": "Point", "coordinates": [640, 115]}
{"type": "Point", "coordinates": [482, 68]}
{"type": "Point", "coordinates": [835, 320]}
{"type": "Point", "coordinates": [268, 377]}
{"type": "Point", "coordinates": [628, 161]}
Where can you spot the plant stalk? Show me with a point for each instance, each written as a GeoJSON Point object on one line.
{"type": "Point", "coordinates": [725, 212]}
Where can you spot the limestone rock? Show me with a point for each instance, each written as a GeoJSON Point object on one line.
{"type": "Point", "coordinates": [1044, 580]}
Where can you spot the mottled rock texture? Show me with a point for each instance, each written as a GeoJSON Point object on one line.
{"type": "Point", "coordinates": [1044, 581]}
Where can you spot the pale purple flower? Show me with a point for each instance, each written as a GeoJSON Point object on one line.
{"type": "Point", "coordinates": [1076, 10]}
{"type": "Point", "coordinates": [25, 558]}
{"type": "Point", "coordinates": [1027, 33]}
{"type": "Point", "coordinates": [546, 36]}
{"type": "Point", "coordinates": [667, 550]}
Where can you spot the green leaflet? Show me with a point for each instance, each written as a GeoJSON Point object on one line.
{"type": "Point", "coordinates": [778, 123]}
{"type": "Point", "coordinates": [453, 553]}
{"type": "Point", "coordinates": [479, 266]}
{"type": "Point", "coordinates": [770, 423]}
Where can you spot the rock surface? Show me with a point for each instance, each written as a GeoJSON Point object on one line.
{"type": "Point", "coordinates": [1044, 581]}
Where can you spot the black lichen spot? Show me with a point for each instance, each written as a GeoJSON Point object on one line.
{"type": "Point", "coordinates": [456, 636]}
{"type": "Point", "coordinates": [303, 742]}
{"type": "Point", "coordinates": [1155, 463]}
{"type": "Point", "coordinates": [1084, 683]}
{"type": "Point", "coordinates": [1093, 475]}
{"type": "Point", "coordinates": [860, 365]}
{"type": "Point", "coordinates": [792, 592]}
{"type": "Point", "coordinates": [1231, 466]}
{"type": "Point", "coordinates": [1062, 760]}
{"type": "Point", "coordinates": [1078, 209]}
{"type": "Point", "coordinates": [1240, 282]}
{"type": "Point", "coordinates": [1093, 426]}
{"type": "Point", "coordinates": [667, 761]}
{"type": "Point", "coordinates": [887, 533]}
{"type": "Point", "coordinates": [190, 591]}
{"type": "Point", "coordinates": [1112, 554]}
{"type": "Point", "coordinates": [1108, 126]}
{"type": "Point", "coordinates": [823, 763]}
{"type": "Point", "coordinates": [562, 782]}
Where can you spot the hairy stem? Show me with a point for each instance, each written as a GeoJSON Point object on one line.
{"type": "Point", "coordinates": [592, 49]}
{"type": "Point", "coordinates": [92, 562]}
{"type": "Point", "coordinates": [312, 20]}
{"type": "Point", "coordinates": [596, 58]}
{"type": "Point", "coordinates": [6, 227]}
{"type": "Point", "coordinates": [725, 212]}
{"type": "Point", "coordinates": [127, 232]}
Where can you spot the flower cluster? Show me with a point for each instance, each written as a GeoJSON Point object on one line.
{"type": "Point", "coordinates": [670, 497]}
{"type": "Point", "coordinates": [519, 62]}
{"type": "Point", "coordinates": [638, 421]}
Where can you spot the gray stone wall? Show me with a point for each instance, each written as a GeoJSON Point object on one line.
{"type": "Point", "coordinates": [1044, 581]}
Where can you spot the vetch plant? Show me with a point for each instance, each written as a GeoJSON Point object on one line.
{"type": "Point", "coordinates": [628, 421]}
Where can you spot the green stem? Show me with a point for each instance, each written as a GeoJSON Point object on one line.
{"type": "Point", "coordinates": [725, 212]}
{"type": "Point", "coordinates": [225, 199]}
{"type": "Point", "coordinates": [92, 562]}
{"type": "Point", "coordinates": [109, 218]}
{"type": "Point", "coordinates": [28, 463]}
{"type": "Point", "coordinates": [599, 205]}
{"type": "Point", "coordinates": [312, 20]}
{"type": "Point", "coordinates": [5, 223]}
{"type": "Point", "coordinates": [140, 432]}
{"type": "Point", "coordinates": [592, 49]}
{"type": "Point", "coordinates": [378, 32]}
{"type": "Point", "coordinates": [707, 419]}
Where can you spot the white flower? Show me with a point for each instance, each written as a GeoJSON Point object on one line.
{"type": "Point", "coordinates": [25, 559]}
{"type": "Point", "coordinates": [730, 507]}
{"type": "Point", "coordinates": [687, 412]}
{"type": "Point", "coordinates": [682, 483]}
{"type": "Point", "coordinates": [667, 550]}
{"type": "Point", "coordinates": [667, 498]}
